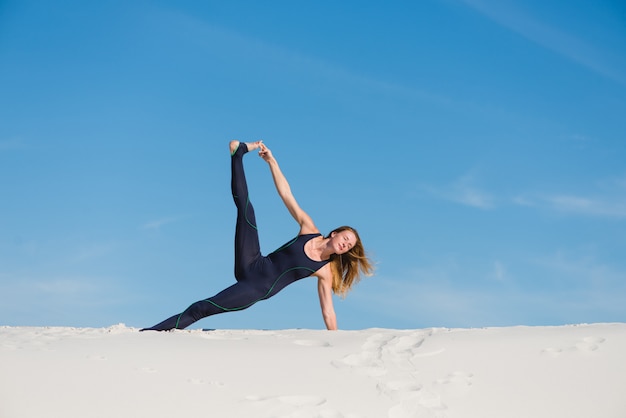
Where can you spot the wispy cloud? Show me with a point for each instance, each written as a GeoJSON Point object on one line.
{"type": "Point", "coordinates": [586, 267]}
{"type": "Point", "coordinates": [157, 224]}
{"type": "Point", "coordinates": [64, 287]}
{"type": "Point", "coordinates": [588, 206]}
{"type": "Point", "coordinates": [92, 251]}
{"type": "Point", "coordinates": [506, 14]}
{"type": "Point", "coordinates": [557, 289]}
{"type": "Point", "coordinates": [444, 292]}
{"type": "Point", "coordinates": [294, 63]}
{"type": "Point", "coordinates": [464, 191]}
{"type": "Point", "coordinates": [77, 289]}
{"type": "Point", "coordinates": [609, 200]}
{"type": "Point", "coordinates": [421, 301]}
{"type": "Point", "coordinates": [610, 207]}
{"type": "Point", "coordinates": [60, 299]}
{"type": "Point", "coordinates": [499, 272]}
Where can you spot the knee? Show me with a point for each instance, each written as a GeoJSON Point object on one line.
{"type": "Point", "coordinates": [199, 310]}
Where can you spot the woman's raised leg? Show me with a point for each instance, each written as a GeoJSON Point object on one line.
{"type": "Point", "coordinates": [247, 248]}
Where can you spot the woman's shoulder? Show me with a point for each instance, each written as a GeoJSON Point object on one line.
{"type": "Point", "coordinates": [309, 230]}
{"type": "Point", "coordinates": [325, 274]}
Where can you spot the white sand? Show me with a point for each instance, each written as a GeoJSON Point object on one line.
{"type": "Point", "coordinates": [529, 372]}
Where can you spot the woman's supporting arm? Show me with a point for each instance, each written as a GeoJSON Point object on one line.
{"type": "Point", "coordinates": [325, 291]}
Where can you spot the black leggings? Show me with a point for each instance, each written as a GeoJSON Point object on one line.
{"type": "Point", "coordinates": [249, 263]}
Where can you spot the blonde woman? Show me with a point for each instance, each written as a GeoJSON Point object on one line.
{"type": "Point", "coordinates": [337, 260]}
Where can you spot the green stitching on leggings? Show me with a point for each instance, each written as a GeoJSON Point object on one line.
{"type": "Point", "coordinates": [245, 212]}
{"type": "Point", "coordinates": [252, 303]}
{"type": "Point", "coordinates": [264, 296]}
{"type": "Point", "coordinates": [268, 292]}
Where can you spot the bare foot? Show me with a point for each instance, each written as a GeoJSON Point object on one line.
{"type": "Point", "coordinates": [234, 144]}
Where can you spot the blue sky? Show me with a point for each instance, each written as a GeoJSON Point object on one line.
{"type": "Point", "coordinates": [479, 147]}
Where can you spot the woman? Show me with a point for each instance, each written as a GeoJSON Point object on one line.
{"type": "Point", "coordinates": [336, 260]}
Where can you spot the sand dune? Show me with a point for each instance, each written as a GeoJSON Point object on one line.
{"type": "Point", "coordinates": [527, 372]}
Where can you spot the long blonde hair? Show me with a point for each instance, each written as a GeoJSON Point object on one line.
{"type": "Point", "coordinates": [348, 267]}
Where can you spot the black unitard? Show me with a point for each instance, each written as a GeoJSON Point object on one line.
{"type": "Point", "coordinates": [258, 277]}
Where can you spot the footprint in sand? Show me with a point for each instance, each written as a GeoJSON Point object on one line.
{"type": "Point", "coordinates": [389, 360]}
{"type": "Point", "coordinates": [426, 404]}
{"type": "Point", "coordinates": [312, 343]}
{"type": "Point", "coordinates": [380, 348]}
{"type": "Point", "coordinates": [365, 363]}
{"type": "Point", "coordinates": [431, 401]}
{"type": "Point", "coordinates": [418, 402]}
{"type": "Point", "coordinates": [375, 342]}
{"type": "Point", "coordinates": [552, 351]}
{"type": "Point", "coordinates": [455, 384]}
{"type": "Point", "coordinates": [586, 345]}
{"type": "Point", "coordinates": [198, 381]}
{"type": "Point", "coordinates": [291, 400]}
{"type": "Point", "coordinates": [195, 381]}
{"type": "Point", "coordinates": [301, 406]}
{"type": "Point", "coordinates": [457, 378]}
{"type": "Point", "coordinates": [403, 349]}
{"type": "Point", "coordinates": [428, 353]}
{"type": "Point", "coordinates": [368, 362]}
{"type": "Point", "coordinates": [399, 389]}
{"type": "Point", "coordinates": [406, 344]}
{"type": "Point", "coordinates": [589, 344]}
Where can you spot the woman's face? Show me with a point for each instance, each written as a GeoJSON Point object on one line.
{"type": "Point", "coordinates": [343, 241]}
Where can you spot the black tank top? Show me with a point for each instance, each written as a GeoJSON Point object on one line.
{"type": "Point", "coordinates": [292, 256]}
{"type": "Point", "coordinates": [288, 264]}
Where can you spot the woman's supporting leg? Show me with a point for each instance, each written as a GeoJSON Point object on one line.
{"type": "Point", "coordinates": [235, 298]}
